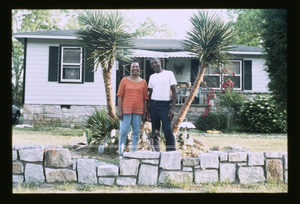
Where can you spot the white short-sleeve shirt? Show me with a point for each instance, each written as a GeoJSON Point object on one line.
{"type": "Point", "coordinates": [160, 84]}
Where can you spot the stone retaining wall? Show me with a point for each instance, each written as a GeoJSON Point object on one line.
{"type": "Point", "coordinates": [39, 164]}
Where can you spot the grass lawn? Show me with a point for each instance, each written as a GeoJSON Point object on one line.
{"type": "Point", "coordinates": [67, 136]}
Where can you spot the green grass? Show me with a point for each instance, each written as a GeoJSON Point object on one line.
{"type": "Point", "coordinates": [170, 187]}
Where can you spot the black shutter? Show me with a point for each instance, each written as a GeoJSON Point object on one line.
{"type": "Point", "coordinates": [248, 75]}
{"type": "Point", "coordinates": [53, 63]}
{"type": "Point", "coordinates": [194, 69]}
{"type": "Point", "coordinates": [88, 67]}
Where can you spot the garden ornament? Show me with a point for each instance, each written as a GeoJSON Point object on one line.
{"type": "Point", "coordinates": [214, 131]}
{"type": "Point", "coordinates": [186, 125]}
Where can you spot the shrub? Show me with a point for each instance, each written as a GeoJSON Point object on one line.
{"type": "Point", "coordinates": [260, 115]}
{"type": "Point", "coordinates": [209, 122]}
{"type": "Point", "coordinates": [223, 120]}
{"type": "Point", "coordinates": [100, 124]}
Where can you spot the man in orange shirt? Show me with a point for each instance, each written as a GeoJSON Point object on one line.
{"type": "Point", "coordinates": [132, 106]}
{"type": "Point", "coordinates": [159, 86]}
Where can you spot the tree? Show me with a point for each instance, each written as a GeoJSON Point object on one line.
{"type": "Point", "coordinates": [149, 28]}
{"type": "Point", "coordinates": [209, 38]}
{"type": "Point", "coordinates": [274, 37]}
{"type": "Point", "coordinates": [40, 20]}
{"type": "Point", "coordinates": [247, 26]}
{"type": "Point", "coordinates": [104, 36]}
{"type": "Point", "coordinates": [17, 70]}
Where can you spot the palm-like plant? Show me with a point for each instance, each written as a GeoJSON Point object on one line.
{"type": "Point", "coordinates": [209, 39]}
{"type": "Point", "coordinates": [105, 38]}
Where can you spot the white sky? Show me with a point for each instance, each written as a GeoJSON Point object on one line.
{"type": "Point", "coordinates": [178, 19]}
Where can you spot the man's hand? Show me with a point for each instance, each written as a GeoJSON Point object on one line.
{"type": "Point", "coordinates": [171, 114]}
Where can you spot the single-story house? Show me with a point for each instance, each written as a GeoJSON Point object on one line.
{"type": "Point", "coordinates": [59, 89]}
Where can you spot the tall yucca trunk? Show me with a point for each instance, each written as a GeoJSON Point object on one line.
{"type": "Point", "coordinates": [106, 72]}
{"type": "Point", "coordinates": [184, 109]}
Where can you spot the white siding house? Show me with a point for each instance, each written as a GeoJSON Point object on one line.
{"type": "Point", "coordinates": [59, 89]}
{"type": "Point", "coordinates": [39, 90]}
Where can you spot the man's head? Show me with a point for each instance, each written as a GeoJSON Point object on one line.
{"type": "Point", "coordinates": [155, 64]}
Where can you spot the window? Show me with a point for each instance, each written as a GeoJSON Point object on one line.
{"type": "Point", "coordinates": [71, 64]}
{"type": "Point", "coordinates": [212, 75]}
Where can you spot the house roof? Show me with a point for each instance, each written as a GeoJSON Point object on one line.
{"type": "Point", "coordinates": [165, 45]}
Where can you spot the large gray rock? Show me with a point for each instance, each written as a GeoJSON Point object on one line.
{"type": "Point", "coordinates": [273, 155]}
{"type": "Point", "coordinates": [141, 155]}
{"type": "Point", "coordinates": [34, 173]}
{"type": "Point", "coordinates": [170, 160]}
{"type": "Point", "coordinates": [125, 181]}
{"type": "Point", "coordinates": [14, 155]}
{"type": "Point", "coordinates": [274, 169]}
{"type": "Point", "coordinates": [108, 170]}
{"type": "Point", "coordinates": [285, 177]}
{"type": "Point", "coordinates": [222, 155]}
{"type": "Point", "coordinates": [237, 157]}
{"type": "Point", "coordinates": [208, 160]}
{"type": "Point", "coordinates": [60, 175]}
{"type": "Point", "coordinates": [17, 167]}
{"type": "Point", "coordinates": [285, 161]}
{"type": "Point", "coordinates": [86, 171]}
{"type": "Point", "coordinates": [129, 167]}
{"type": "Point", "coordinates": [151, 161]}
{"type": "Point", "coordinates": [176, 176]}
{"type": "Point", "coordinates": [18, 179]}
{"type": "Point", "coordinates": [206, 175]}
{"type": "Point", "coordinates": [256, 159]}
{"type": "Point", "coordinates": [148, 175]}
{"type": "Point", "coordinates": [187, 168]}
{"type": "Point", "coordinates": [190, 161]}
{"type": "Point", "coordinates": [106, 181]}
{"type": "Point", "coordinates": [32, 155]}
{"type": "Point", "coordinates": [228, 172]}
{"type": "Point", "coordinates": [58, 158]}
{"type": "Point", "coordinates": [248, 175]}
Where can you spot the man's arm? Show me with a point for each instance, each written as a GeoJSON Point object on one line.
{"type": "Point", "coordinates": [148, 104]}
{"type": "Point", "coordinates": [174, 98]}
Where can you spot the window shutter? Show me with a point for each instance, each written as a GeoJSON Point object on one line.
{"type": "Point", "coordinates": [53, 63]}
{"type": "Point", "coordinates": [88, 67]}
{"type": "Point", "coordinates": [194, 69]}
{"type": "Point", "coordinates": [248, 75]}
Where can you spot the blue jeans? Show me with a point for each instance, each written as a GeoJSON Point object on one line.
{"type": "Point", "coordinates": [159, 111]}
{"type": "Point", "coordinates": [129, 119]}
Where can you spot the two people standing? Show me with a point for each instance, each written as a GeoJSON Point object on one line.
{"type": "Point", "coordinates": [133, 106]}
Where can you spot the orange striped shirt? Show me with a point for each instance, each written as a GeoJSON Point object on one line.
{"type": "Point", "coordinates": [133, 94]}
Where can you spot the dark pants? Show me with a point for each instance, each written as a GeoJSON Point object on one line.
{"type": "Point", "coordinates": [159, 113]}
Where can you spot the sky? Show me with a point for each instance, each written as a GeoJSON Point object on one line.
{"type": "Point", "coordinates": [178, 19]}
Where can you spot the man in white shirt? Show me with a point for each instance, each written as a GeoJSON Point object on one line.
{"type": "Point", "coordinates": [159, 86]}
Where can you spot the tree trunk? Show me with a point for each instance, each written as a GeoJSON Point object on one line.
{"type": "Point", "coordinates": [108, 90]}
{"type": "Point", "coordinates": [184, 109]}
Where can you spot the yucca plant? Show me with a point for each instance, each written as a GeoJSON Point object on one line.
{"type": "Point", "coordinates": [209, 39]}
{"type": "Point", "coordinates": [105, 37]}
{"type": "Point", "coordinates": [101, 124]}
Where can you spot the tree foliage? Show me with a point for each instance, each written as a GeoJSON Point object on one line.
{"type": "Point", "coordinates": [274, 37]}
{"type": "Point", "coordinates": [209, 39]}
{"type": "Point", "coordinates": [105, 38]}
{"type": "Point", "coordinates": [150, 29]}
{"type": "Point", "coordinates": [247, 26]}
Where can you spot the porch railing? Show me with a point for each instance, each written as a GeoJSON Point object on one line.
{"type": "Point", "coordinates": [200, 97]}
